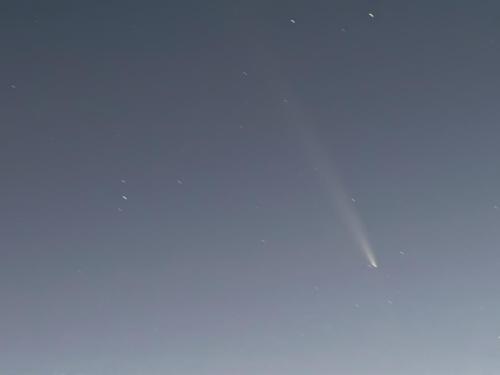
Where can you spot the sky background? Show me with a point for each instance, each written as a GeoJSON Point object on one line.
{"type": "Point", "coordinates": [169, 172]}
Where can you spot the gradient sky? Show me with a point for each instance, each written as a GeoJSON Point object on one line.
{"type": "Point", "coordinates": [182, 183]}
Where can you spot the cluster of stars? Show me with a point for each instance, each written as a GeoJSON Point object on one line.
{"type": "Point", "coordinates": [124, 196]}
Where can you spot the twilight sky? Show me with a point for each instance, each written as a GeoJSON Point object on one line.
{"type": "Point", "coordinates": [204, 188]}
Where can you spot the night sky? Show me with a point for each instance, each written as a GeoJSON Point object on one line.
{"type": "Point", "coordinates": [250, 187]}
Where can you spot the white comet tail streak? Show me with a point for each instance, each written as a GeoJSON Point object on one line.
{"type": "Point", "coordinates": [339, 199]}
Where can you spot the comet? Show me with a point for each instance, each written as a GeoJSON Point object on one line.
{"type": "Point", "coordinates": [340, 201]}
{"type": "Point", "coordinates": [323, 163]}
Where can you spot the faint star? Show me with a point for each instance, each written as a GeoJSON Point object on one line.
{"type": "Point", "coordinates": [180, 182]}
{"type": "Point", "coordinates": [13, 86]}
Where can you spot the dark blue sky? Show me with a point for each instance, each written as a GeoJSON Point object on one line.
{"type": "Point", "coordinates": [197, 188]}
